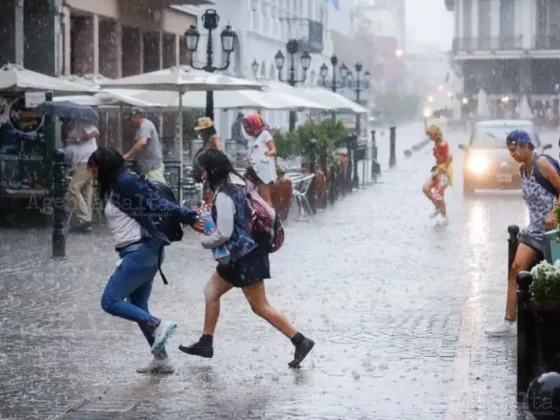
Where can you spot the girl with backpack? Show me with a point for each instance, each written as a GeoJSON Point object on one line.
{"type": "Point", "coordinates": [540, 184]}
{"type": "Point", "coordinates": [248, 264]}
{"type": "Point", "coordinates": [134, 210]}
{"type": "Point", "coordinates": [261, 159]}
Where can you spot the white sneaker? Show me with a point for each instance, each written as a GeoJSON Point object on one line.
{"type": "Point", "coordinates": [505, 328]}
{"type": "Point", "coordinates": [157, 366]}
{"type": "Point", "coordinates": [434, 214]}
{"type": "Point", "coordinates": [162, 333]}
{"type": "Point", "coordinates": [442, 220]}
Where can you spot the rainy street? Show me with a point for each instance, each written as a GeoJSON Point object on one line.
{"type": "Point", "coordinates": [396, 305]}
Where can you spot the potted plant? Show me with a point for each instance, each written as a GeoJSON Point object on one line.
{"type": "Point", "coordinates": [546, 281]}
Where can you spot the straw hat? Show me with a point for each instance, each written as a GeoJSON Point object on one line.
{"type": "Point", "coordinates": [203, 123]}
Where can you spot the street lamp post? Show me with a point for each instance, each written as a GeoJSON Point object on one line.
{"type": "Point", "coordinates": [334, 83]}
{"type": "Point", "coordinates": [292, 47]}
{"type": "Point", "coordinates": [210, 22]}
{"type": "Point", "coordinates": [361, 83]}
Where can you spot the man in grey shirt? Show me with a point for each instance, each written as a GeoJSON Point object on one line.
{"type": "Point", "coordinates": [146, 151]}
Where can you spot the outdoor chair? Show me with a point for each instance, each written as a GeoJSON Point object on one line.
{"type": "Point", "coordinates": [301, 188]}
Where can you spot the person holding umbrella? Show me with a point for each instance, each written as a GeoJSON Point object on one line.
{"type": "Point", "coordinates": [81, 142]}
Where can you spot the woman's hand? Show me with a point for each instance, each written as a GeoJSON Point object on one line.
{"type": "Point", "coordinates": [550, 222]}
{"type": "Point", "coordinates": [199, 226]}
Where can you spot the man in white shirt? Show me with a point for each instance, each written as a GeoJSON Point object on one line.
{"type": "Point", "coordinates": [82, 142]}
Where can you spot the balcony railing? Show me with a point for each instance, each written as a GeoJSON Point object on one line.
{"type": "Point", "coordinates": [547, 42]}
{"type": "Point", "coordinates": [488, 43]}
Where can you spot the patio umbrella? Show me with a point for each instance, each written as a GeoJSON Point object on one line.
{"type": "Point", "coordinates": [234, 99]}
{"type": "Point", "coordinates": [331, 99]}
{"type": "Point", "coordinates": [70, 110]}
{"type": "Point", "coordinates": [181, 79]}
{"type": "Point", "coordinates": [15, 78]}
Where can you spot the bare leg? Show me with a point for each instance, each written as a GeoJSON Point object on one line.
{"type": "Point", "coordinates": [256, 296]}
{"type": "Point", "coordinates": [427, 190]}
{"type": "Point", "coordinates": [213, 291]}
{"type": "Point", "coordinates": [524, 257]}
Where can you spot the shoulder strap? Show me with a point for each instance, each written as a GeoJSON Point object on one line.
{"type": "Point", "coordinates": [543, 182]}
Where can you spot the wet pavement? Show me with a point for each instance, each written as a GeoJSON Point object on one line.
{"type": "Point", "coordinates": [395, 304]}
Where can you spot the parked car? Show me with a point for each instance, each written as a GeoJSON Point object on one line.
{"type": "Point", "coordinates": [487, 162]}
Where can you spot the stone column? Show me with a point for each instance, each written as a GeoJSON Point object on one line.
{"type": "Point", "coordinates": [495, 27]}
{"type": "Point", "coordinates": [67, 47]}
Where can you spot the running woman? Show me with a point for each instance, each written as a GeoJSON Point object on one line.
{"type": "Point", "coordinates": [441, 176]}
{"type": "Point", "coordinates": [248, 264]}
{"type": "Point", "coordinates": [130, 206]}
{"type": "Point", "coordinates": [542, 217]}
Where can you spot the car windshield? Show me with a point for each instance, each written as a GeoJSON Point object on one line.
{"type": "Point", "coordinates": [494, 137]}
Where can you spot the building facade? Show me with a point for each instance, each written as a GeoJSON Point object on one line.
{"type": "Point", "coordinates": [508, 47]}
{"type": "Point", "coordinates": [383, 21]}
{"type": "Point", "coordinates": [263, 28]}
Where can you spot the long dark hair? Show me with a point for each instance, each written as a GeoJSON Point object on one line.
{"type": "Point", "coordinates": [110, 164]}
{"type": "Point", "coordinates": [218, 168]}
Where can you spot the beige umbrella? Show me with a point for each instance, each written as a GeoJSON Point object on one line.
{"type": "Point", "coordinates": [15, 78]}
{"type": "Point", "coordinates": [180, 80]}
{"type": "Point", "coordinates": [328, 98]}
{"type": "Point", "coordinates": [234, 99]}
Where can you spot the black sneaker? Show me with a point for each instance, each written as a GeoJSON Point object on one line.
{"type": "Point", "coordinates": [198, 349]}
{"type": "Point", "coordinates": [84, 227]}
{"type": "Point", "coordinates": [302, 350]}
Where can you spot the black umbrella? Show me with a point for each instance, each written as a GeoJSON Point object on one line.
{"type": "Point", "coordinates": [69, 110]}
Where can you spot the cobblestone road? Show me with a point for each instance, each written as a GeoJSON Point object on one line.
{"type": "Point", "coordinates": [395, 304]}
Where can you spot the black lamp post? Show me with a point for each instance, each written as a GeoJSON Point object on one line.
{"type": "Point", "coordinates": [292, 47]}
{"type": "Point", "coordinates": [210, 21]}
{"type": "Point", "coordinates": [334, 84]}
{"type": "Point", "coordinates": [361, 83]}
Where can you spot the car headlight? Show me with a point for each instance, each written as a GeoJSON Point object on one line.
{"type": "Point", "coordinates": [478, 163]}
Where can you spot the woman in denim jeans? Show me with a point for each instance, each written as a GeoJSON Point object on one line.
{"type": "Point", "coordinates": [130, 206]}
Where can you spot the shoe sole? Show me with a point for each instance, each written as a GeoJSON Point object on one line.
{"type": "Point", "coordinates": [505, 334]}
{"type": "Point", "coordinates": [158, 347]}
{"type": "Point", "coordinates": [295, 364]}
{"type": "Point", "coordinates": [185, 350]}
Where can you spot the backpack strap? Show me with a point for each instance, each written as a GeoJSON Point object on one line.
{"type": "Point", "coordinates": [160, 260]}
{"type": "Point", "coordinates": [543, 182]}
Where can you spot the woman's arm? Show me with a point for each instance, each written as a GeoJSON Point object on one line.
{"type": "Point", "coordinates": [271, 148]}
{"type": "Point", "coordinates": [136, 196]}
{"type": "Point", "coordinates": [549, 172]}
{"type": "Point", "coordinates": [225, 210]}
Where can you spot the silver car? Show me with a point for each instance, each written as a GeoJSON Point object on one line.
{"type": "Point", "coordinates": [487, 162]}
